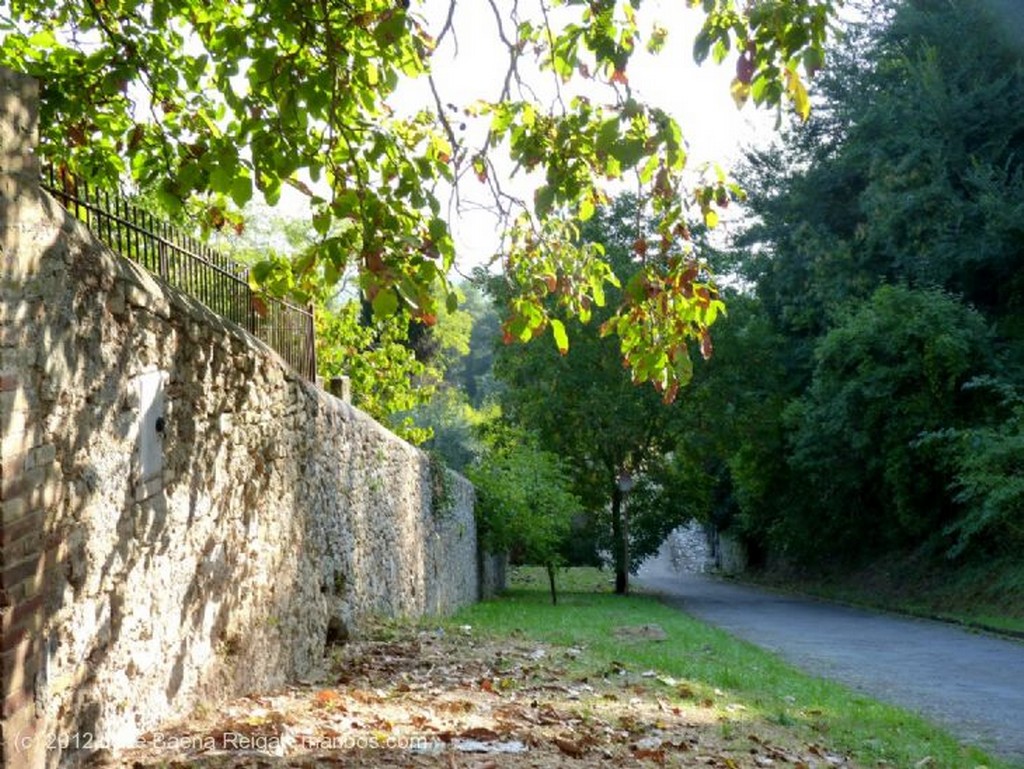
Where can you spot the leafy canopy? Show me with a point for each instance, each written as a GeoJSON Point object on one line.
{"type": "Point", "coordinates": [207, 102]}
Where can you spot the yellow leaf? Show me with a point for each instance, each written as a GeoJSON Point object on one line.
{"type": "Point", "coordinates": [798, 94]}
{"type": "Point", "coordinates": [740, 92]}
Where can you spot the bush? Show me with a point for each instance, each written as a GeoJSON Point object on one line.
{"type": "Point", "coordinates": [891, 370]}
{"type": "Point", "coordinates": [989, 478]}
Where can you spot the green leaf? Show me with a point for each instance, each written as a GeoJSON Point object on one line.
{"type": "Point", "coordinates": [321, 221]}
{"type": "Point", "coordinates": [586, 209]}
{"type": "Point", "coordinates": [701, 46]}
{"type": "Point", "coordinates": [385, 303]}
{"type": "Point", "coordinates": [720, 50]}
{"type": "Point", "coordinates": [543, 200]}
{"type": "Point", "coordinates": [607, 136]}
{"type": "Point", "coordinates": [222, 176]}
{"type": "Point", "coordinates": [647, 172]}
{"type": "Point", "coordinates": [561, 338]}
{"type": "Point", "coordinates": [241, 190]}
{"type": "Point", "coordinates": [629, 152]}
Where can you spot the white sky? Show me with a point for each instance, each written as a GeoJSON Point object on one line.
{"type": "Point", "coordinates": [698, 97]}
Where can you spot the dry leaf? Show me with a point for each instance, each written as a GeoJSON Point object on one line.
{"type": "Point", "coordinates": [570, 748]}
{"type": "Point", "coordinates": [480, 734]}
{"type": "Point", "coordinates": [328, 698]}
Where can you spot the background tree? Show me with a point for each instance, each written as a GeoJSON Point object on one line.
{"type": "Point", "coordinates": [883, 248]}
{"type": "Point", "coordinates": [395, 364]}
{"type": "Point", "coordinates": [583, 406]}
{"type": "Point", "coordinates": [989, 463]}
{"type": "Point", "coordinates": [891, 371]}
{"type": "Point", "coordinates": [525, 504]}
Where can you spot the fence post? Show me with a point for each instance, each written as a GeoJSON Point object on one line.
{"type": "Point", "coordinates": [310, 342]}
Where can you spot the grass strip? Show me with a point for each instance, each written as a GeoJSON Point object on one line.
{"type": "Point", "coordinates": [750, 688]}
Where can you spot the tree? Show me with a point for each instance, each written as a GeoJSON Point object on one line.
{"type": "Point", "coordinates": [394, 364]}
{"type": "Point", "coordinates": [988, 474]}
{"type": "Point", "coordinates": [730, 455]}
{"type": "Point", "coordinates": [387, 379]}
{"type": "Point", "coordinates": [583, 407]}
{"type": "Point", "coordinates": [473, 373]}
{"type": "Point", "coordinates": [886, 238]}
{"type": "Point", "coordinates": [209, 102]}
{"type": "Point", "coordinates": [889, 373]}
{"type": "Point", "coordinates": [911, 172]}
{"type": "Point", "coordinates": [524, 503]}
{"type": "Point", "coordinates": [463, 401]}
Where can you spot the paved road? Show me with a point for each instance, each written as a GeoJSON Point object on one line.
{"type": "Point", "coordinates": [971, 684]}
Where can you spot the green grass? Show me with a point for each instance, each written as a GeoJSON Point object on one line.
{"type": "Point", "coordinates": [711, 665]}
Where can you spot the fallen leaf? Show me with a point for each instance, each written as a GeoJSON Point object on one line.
{"type": "Point", "coordinates": [481, 734]}
{"type": "Point", "coordinates": [658, 756]}
{"type": "Point", "coordinates": [328, 698]}
{"type": "Point", "coordinates": [570, 748]}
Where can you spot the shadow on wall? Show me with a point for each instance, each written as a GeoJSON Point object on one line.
{"type": "Point", "coordinates": [135, 566]}
{"type": "Point", "coordinates": [135, 563]}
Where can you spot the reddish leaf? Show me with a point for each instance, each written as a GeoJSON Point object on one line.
{"type": "Point", "coordinates": [328, 698]}
{"type": "Point", "coordinates": [657, 755]}
{"type": "Point", "coordinates": [260, 306]}
{"type": "Point", "coordinates": [745, 68]}
{"type": "Point", "coordinates": [706, 347]}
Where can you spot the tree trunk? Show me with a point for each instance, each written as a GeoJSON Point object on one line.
{"type": "Point", "coordinates": [619, 543]}
{"type": "Point", "coordinates": [551, 582]}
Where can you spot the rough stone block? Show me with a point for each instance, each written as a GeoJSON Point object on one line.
{"type": "Point", "coordinates": [24, 526]}
{"type": "Point", "coordinates": [42, 456]}
{"type": "Point", "coordinates": [19, 441]}
{"type": "Point", "coordinates": [27, 572]}
{"type": "Point", "coordinates": [13, 510]}
{"type": "Point", "coordinates": [14, 464]}
{"type": "Point", "coordinates": [27, 615]}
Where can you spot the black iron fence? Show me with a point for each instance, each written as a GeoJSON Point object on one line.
{"type": "Point", "coordinates": [216, 280]}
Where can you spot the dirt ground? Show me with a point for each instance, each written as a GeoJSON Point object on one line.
{"type": "Point", "coordinates": [437, 699]}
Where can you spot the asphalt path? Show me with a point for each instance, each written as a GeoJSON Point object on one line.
{"type": "Point", "coordinates": [971, 684]}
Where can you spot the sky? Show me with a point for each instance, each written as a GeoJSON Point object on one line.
{"type": "Point", "coordinates": [470, 65]}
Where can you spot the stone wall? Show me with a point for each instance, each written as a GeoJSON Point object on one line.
{"type": "Point", "coordinates": [732, 555]}
{"type": "Point", "coordinates": [183, 518]}
{"type": "Point", "coordinates": [690, 550]}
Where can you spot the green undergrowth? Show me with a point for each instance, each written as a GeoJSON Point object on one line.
{"type": "Point", "coordinates": [709, 667]}
{"type": "Point", "coordinates": [988, 594]}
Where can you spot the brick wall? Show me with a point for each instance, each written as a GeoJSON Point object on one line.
{"type": "Point", "coordinates": [27, 474]}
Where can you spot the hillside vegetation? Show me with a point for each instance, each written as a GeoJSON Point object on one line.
{"type": "Point", "coordinates": [865, 403]}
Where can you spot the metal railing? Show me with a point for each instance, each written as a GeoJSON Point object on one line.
{"type": "Point", "coordinates": [204, 273]}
